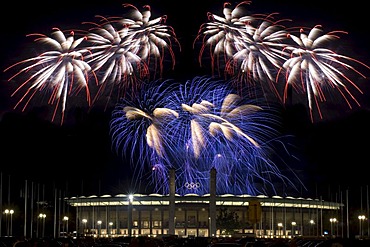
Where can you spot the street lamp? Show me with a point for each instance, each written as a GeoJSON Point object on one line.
{"type": "Point", "coordinates": [42, 218]}
{"type": "Point", "coordinates": [11, 211]}
{"type": "Point", "coordinates": [361, 218]}
{"type": "Point", "coordinates": [110, 227]}
{"type": "Point", "coordinates": [7, 211]}
{"type": "Point", "coordinates": [131, 199]}
{"type": "Point", "coordinates": [84, 221]}
{"type": "Point", "coordinates": [280, 225]}
{"type": "Point", "coordinates": [99, 227]}
{"type": "Point", "coordinates": [332, 221]}
{"type": "Point", "coordinates": [293, 226]}
{"type": "Point", "coordinates": [65, 219]}
{"type": "Point", "coordinates": [312, 222]}
{"type": "Point", "coordinates": [209, 226]}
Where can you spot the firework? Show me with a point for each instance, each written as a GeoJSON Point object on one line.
{"type": "Point", "coordinates": [60, 70]}
{"type": "Point", "coordinates": [314, 68]}
{"type": "Point", "coordinates": [204, 123]}
{"type": "Point", "coordinates": [193, 127]}
{"type": "Point", "coordinates": [137, 129]}
{"type": "Point", "coordinates": [128, 51]}
{"type": "Point", "coordinates": [254, 48]}
{"type": "Point", "coordinates": [115, 59]}
{"type": "Point", "coordinates": [153, 37]}
{"type": "Point", "coordinates": [119, 54]}
{"type": "Point", "coordinates": [249, 48]}
{"type": "Point", "coordinates": [221, 33]}
{"type": "Point", "coordinates": [259, 54]}
{"type": "Point", "coordinates": [217, 128]}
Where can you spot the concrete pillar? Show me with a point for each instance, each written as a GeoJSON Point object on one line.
{"type": "Point", "coordinates": [171, 217]}
{"type": "Point", "coordinates": [212, 202]}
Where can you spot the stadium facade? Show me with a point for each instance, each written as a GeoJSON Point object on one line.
{"type": "Point", "coordinates": [193, 215]}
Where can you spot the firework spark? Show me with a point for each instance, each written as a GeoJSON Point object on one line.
{"type": "Point", "coordinates": [129, 51]}
{"type": "Point", "coordinates": [221, 33]}
{"type": "Point", "coordinates": [116, 56]}
{"type": "Point", "coordinates": [259, 54]}
{"type": "Point", "coordinates": [249, 48]}
{"type": "Point", "coordinates": [315, 68]}
{"type": "Point", "coordinates": [203, 123]}
{"type": "Point", "coordinates": [120, 52]}
{"type": "Point", "coordinates": [137, 126]}
{"type": "Point", "coordinates": [218, 128]}
{"type": "Point", "coordinates": [257, 48]}
{"type": "Point", "coordinates": [193, 127]}
{"type": "Point", "coordinates": [60, 70]}
{"type": "Point", "coordinates": [153, 37]}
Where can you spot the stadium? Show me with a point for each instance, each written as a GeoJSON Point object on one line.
{"type": "Point", "coordinates": [193, 215]}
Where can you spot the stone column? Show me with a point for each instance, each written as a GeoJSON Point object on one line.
{"type": "Point", "coordinates": [212, 202]}
{"type": "Point", "coordinates": [171, 211]}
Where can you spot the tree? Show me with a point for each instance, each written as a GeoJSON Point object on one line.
{"type": "Point", "coordinates": [227, 222]}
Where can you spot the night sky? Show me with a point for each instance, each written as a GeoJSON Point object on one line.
{"type": "Point", "coordinates": [330, 153]}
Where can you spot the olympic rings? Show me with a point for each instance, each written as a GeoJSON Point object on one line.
{"type": "Point", "coordinates": [192, 185]}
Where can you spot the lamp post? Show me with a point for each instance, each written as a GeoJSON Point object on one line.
{"type": "Point", "coordinates": [110, 228]}
{"type": "Point", "coordinates": [42, 218]}
{"type": "Point", "coordinates": [84, 221]}
{"type": "Point", "coordinates": [11, 211]}
{"type": "Point", "coordinates": [293, 226]}
{"type": "Point", "coordinates": [99, 227]}
{"type": "Point", "coordinates": [174, 224]}
{"type": "Point", "coordinates": [332, 221]}
{"type": "Point", "coordinates": [7, 211]}
{"type": "Point", "coordinates": [280, 225]}
{"type": "Point", "coordinates": [131, 199]}
{"type": "Point", "coordinates": [312, 222]}
{"type": "Point", "coordinates": [65, 219]}
{"type": "Point", "coordinates": [209, 226]}
{"type": "Point", "coordinates": [361, 218]}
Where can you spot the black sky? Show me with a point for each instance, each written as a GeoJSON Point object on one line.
{"type": "Point", "coordinates": [333, 151]}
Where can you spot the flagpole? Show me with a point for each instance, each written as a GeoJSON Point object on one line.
{"type": "Point", "coordinates": [347, 206]}
{"type": "Point", "coordinates": [368, 215]}
{"type": "Point", "coordinates": [25, 209]}
{"type": "Point", "coordinates": [1, 200]}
